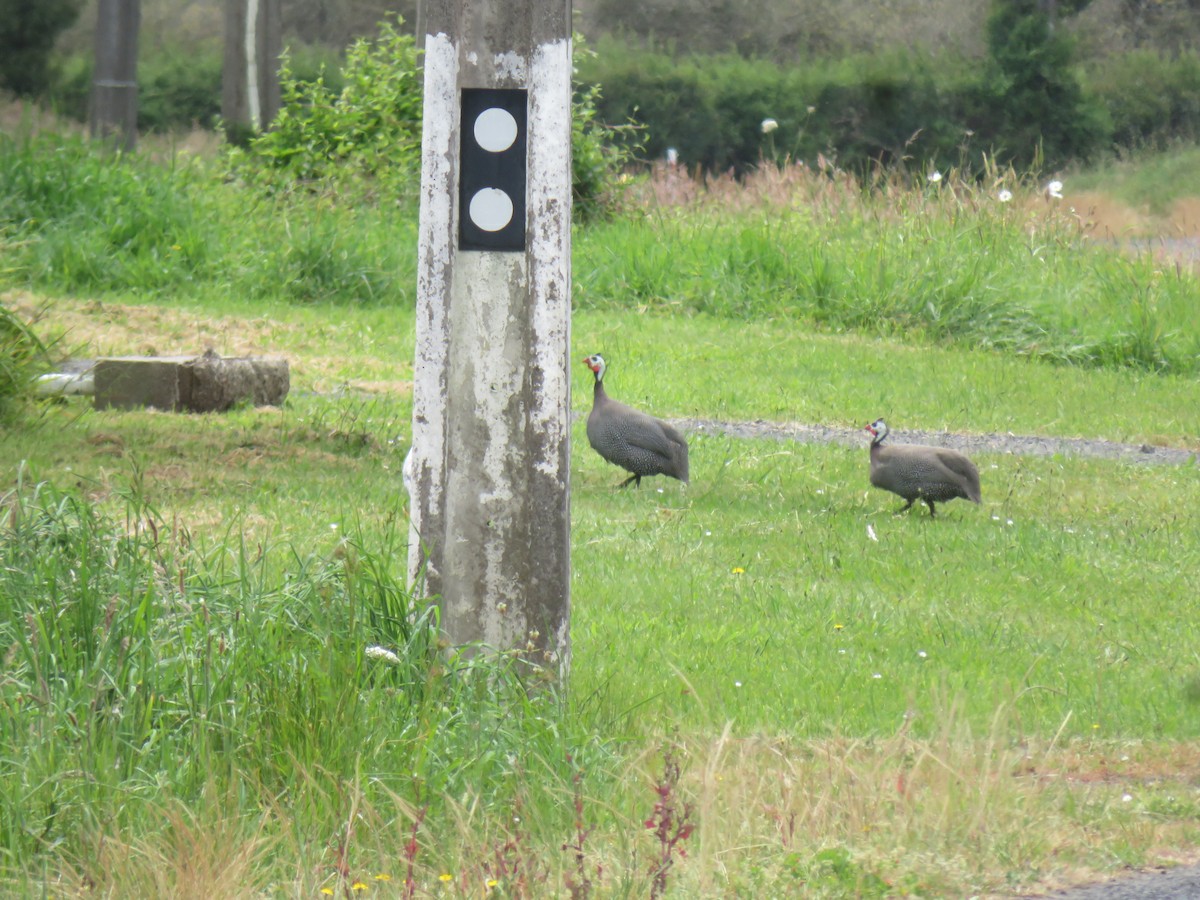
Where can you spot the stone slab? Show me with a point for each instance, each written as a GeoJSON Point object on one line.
{"type": "Point", "coordinates": [207, 383]}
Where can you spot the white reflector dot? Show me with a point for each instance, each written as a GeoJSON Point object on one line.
{"type": "Point", "coordinates": [495, 130]}
{"type": "Point", "coordinates": [491, 209]}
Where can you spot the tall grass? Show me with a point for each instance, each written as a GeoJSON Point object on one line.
{"type": "Point", "coordinates": [75, 219]}
{"type": "Point", "coordinates": [942, 262]}
{"type": "Point", "coordinates": [145, 676]}
{"type": "Point", "coordinates": [946, 263]}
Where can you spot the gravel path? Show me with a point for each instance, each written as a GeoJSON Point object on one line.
{"type": "Point", "coordinates": [1020, 445]}
{"type": "Point", "coordinates": [1182, 883]}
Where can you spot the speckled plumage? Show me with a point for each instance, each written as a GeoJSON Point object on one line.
{"type": "Point", "coordinates": [916, 472]}
{"type": "Point", "coordinates": [631, 439]}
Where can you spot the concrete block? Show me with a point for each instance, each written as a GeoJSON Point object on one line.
{"type": "Point", "coordinates": [205, 383]}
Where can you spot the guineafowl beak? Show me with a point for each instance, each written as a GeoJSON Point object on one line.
{"type": "Point", "coordinates": [871, 431]}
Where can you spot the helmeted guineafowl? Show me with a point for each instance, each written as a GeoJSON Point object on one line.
{"type": "Point", "coordinates": [629, 438]}
{"type": "Point", "coordinates": [916, 472]}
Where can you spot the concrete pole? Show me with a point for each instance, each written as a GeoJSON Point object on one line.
{"type": "Point", "coordinates": [489, 469]}
{"type": "Point", "coordinates": [250, 94]}
{"type": "Point", "coordinates": [113, 108]}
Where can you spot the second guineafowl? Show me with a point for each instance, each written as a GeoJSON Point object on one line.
{"type": "Point", "coordinates": [631, 439]}
{"type": "Point", "coordinates": [916, 472]}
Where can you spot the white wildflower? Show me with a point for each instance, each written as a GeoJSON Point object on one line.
{"type": "Point", "coordinates": [769, 125]}
{"type": "Point", "coordinates": [382, 653]}
{"type": "Point", "coordinates": [934, 177]}
{"type": "Point", "coordinates": [1054, 189]}
{"type": "Point", "coordinates": [1004, 196]}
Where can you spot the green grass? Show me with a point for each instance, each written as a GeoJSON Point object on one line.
{"type": "Point", "coordinates": [861, 704]}
{"type": "Point", "coordinates": [761, 598]}
{"type": "Point", "coordinates": [1146, 180]}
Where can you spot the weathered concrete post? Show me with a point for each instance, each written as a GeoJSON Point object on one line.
{"type": "Point", "coordinates": [250, 94]}
{"type": "Point", "coordinates": [489, 468]}
{"type": "Point", "coordinates": [114, 97]}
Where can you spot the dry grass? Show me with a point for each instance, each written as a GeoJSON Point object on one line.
{"type": "Point", "coordinates": [82, 328]}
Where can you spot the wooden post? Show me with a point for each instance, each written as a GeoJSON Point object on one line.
{"type": "Point", "coordinates": [250, 96]}
{"type": "Point", "coordinates": [489, 469]}
{"type": "Point", "coordinates": [113, 107]}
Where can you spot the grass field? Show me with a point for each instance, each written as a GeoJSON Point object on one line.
{"type": "Point", "coordinates": [778, 687]}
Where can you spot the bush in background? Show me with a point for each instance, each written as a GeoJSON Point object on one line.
{"type": "Point", "coordinates": [1037, 104]}
{"type": "Point", "coordinates": [27, 39]}
{"type": "Point", "coordinates": [1152, 98]}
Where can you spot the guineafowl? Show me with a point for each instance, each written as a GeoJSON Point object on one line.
{"type": "Point", "coordinates": [915, 472]}
{"type": "Point", "coordinates": [629, 438]}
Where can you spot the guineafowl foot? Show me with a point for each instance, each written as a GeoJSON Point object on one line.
{"type": "Point", "coordinates": [929, 503]}
{"type": "Point", "coordinates": [634, 478]}
{"type": "Point", "coordinates": [905, 508]}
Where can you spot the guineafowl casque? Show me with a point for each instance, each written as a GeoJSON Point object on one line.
{"type": "Point", "coordinates": [915, 472]}
{"type": "Point", "coordinates": [629, 438]}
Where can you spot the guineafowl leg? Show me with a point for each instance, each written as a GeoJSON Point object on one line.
{"type": "Point", "coordinates": [929, 503]}
{"type": "Point", "coordinates": [906, 507]}
{"type": "Point", "coordinates": [634, 477]}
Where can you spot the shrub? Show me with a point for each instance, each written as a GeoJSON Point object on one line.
{"type": "Point", "coordinates": [1038, 103]}
{"type": "Point", "coordinates": [371, 127]}
{"type": "Point", "coordinates": [27, 40]}
{"type": "Point", "coordinates": [600, 153]}
{"type": "Point", "coordinates": [860, 110]}
{"type": "Point", "coordinates": [1153, 99]}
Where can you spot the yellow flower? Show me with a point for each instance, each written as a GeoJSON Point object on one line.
{"type": "Point", "coordinates": [358, 886]}
{"type": "Point", "coordinates": [738, 570]}
{"type": "Point", "coordinates": [445, 878]}
{"type": "Point", "coordinates": [383, 876]}
{"type": "Point", "coordinates": [838, 626]}
{"type": "Point", "coordinates": [327, 891]}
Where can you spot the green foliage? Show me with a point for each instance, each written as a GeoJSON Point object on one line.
{"type": "Point", "coordinates": [179, 89]}
{"type": "Point", "coordinates": [91, 220]}
{"type": "Point", "coordinates": [81, 219]}
{"type": "Point", "coordinates": [370, 130]}
{"type": "Point", "coordinates": [1031, 104]}
{"type": "Point", "coordinates": [125, 644]}
{"type": "Point", "coordinates": [27, 39]}
{"type": "Point", "coordinates": [19, 350]}
{"type": "Point", "coordinates": [861, 111]}
{"type": "Point", "coordinates": [600, 153]}
{"type": "Point", "coordinates": [1153, 98]}
{"type": "Point", "coordinates": [1038, 101]}
{"type": "Point", "coordinates": [371, 127]}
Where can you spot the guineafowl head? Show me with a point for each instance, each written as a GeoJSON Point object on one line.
{"type": "Point", "coordinates": [878, 431]}
{"type": "Point", "coordinates": [595, 362]}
